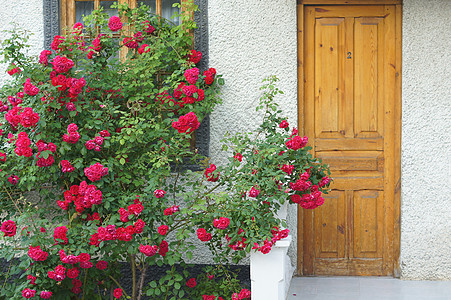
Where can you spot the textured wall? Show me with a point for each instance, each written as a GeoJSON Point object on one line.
{"type": "Point", "coordinates": [426, 140]}
{"type": "Point", "coordinates": [250, 40]}
{"type": "Point", "coordinates": [28, 14]}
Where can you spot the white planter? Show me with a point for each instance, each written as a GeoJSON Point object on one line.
{"type": "Point", "coordinates": [271, 273]}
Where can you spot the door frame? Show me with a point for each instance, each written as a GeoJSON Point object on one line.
{"type": "Point", "coordinates": [396, 115]}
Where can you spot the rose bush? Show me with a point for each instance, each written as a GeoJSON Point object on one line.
{"type": "Point", "coordinates": [105, 143]}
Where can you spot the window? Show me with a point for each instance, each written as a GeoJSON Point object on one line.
{"type": "Point", "coordinates": [72, 11]}
{"type": "Point", "coordinates": [60, 14]}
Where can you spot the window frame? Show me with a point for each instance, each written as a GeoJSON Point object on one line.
{"type": "Point", "coordinates": [67, 9]}
{"type": "Point", "coordinates": [52, 26]}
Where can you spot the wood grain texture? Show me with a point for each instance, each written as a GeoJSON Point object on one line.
{"type": "Point", "coordinates": [343, 11]}
{"type": "Point", "coordinates": [397, 147]}
{"type": "Point", "coordinates": [351, 113]}
{"type": "Point", "coordinates": [300, 75]}
{"type": "Point", "coordinates": [389, 138]}
{"type": "Point", "coordinates": [63, 17]}
{"type": "Point", "coordinates": [309, 121]}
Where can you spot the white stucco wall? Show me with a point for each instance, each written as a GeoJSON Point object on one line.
{"type": "Point", "coordinates": [28, 14]}
{"type": "Point", "coordinates": [426, 140]}
{"type": "Point", "coordinates": [249, 40]}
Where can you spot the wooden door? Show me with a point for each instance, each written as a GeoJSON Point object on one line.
{"type": "Point", "coordinates": [350, 113]}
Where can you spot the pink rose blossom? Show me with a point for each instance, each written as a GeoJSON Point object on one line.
{"type": "Point", "coordinates": [46, 295]}
{"type": "Point", "coordinates": [114, 23]}
{"type": "Point", "coordinates": [254, 192]}
{"type": "Point", "coordinates": [192, 75]}
{"type": "Point", "coordinates": [159, 193]}
{"type": "Point", "coordinates": [28, 293]}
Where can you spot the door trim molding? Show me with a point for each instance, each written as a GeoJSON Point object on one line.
{"type": "Point", "coordinates": [397, 117]}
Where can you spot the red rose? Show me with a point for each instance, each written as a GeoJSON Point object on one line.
{"type": "Point", "coordinates": [32, 279]}
{"type": "Point", "coordinates": [84, 257]}
{"type": "Point", "coordinates": [104, 133]}
{"type": "Point", "coordinates": [186, 123]}
{"type": "Point", "coordinates": [238, 157]}
{"type": "Point", "coordinates": [300, 185]}
{"type": "Point", "coordinates": [163, 229]}
{"type": "Point", "coordinates": [148, 250]}
{"type": "Point", "coordinates": [73, 273]}
{"type": "Point", "coordinates": [265, 248]}
{"type": "Point", "coordinates": [203, 235]}
{"type": "Point", "coordinates": [28, 118]}
{"type": "Point", "coordinates": [117, 293]}
{"type": "Point", "coordinates": [283, 124]}
{"type": "Point", "coordinates": [60, 233]}
{"type": "Point", "coordinates": [149, 29]}
{"type": "Point", "coordinates": [86, 264]}
{"type": "Point", "coordinates": [95, 171]}
{"type": "Point", "coordinates": [163, 248]}
{"type": "Point", "coordinates": [209, 173]}
{"type": "Point", "coordinates": [62, 64]}
{"type": "Point", "coordinates": [57, 40]}
{"type": "Point", "coordinates": [287, 169]}
{"type": "Point", "coordinates": [296, 142]}
{"type": "Point", "coordinates": [296, 198]}
{"type": "Point", "coordinates": [189, 90]}
{"type": "Point", "coordinates": [139, 226]}
{"type": "Point", "coordinates": [195, 56]}
{"type": "Point", "coordinates": [101, 265]}
{"type": "Point", "coordinates": [46, 294]}
{"type": "Point", "coordinates": [191, 282]}
{"type": "Point", "coordinates": [9, 228]}
{"type": "Point", "coordinates": [36, 254]}
{"type": "Point", "coordinates": [221, 223]}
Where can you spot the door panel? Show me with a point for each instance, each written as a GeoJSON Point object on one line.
{"type": "Point", "coordinates": [329, 79]}
{"type": "Point", "coordinates": [330, 222]}
{"type": "Point", "coordinates": [349, 97]}
{"type": "Point", "coordinates": [368, 234]}
{"type": "Point", "coordinates": [369, 76]}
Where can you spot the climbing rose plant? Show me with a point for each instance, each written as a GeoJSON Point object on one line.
{"type": "Point", "coordinates": [106, 146]}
